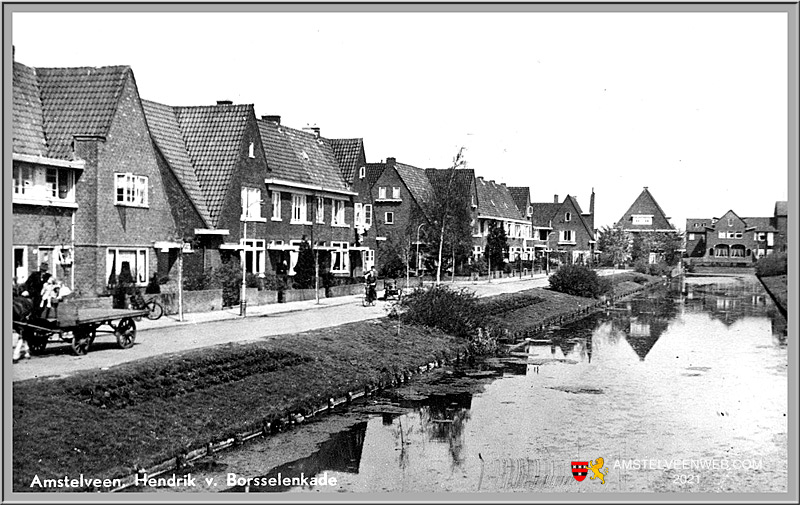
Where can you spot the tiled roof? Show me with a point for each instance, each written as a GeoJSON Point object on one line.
{"type": "Point", "coordinates": [213, 136]}
{"type": "Point", "coordinates": [581, 217]}
{"type": "Point", "coordinates": [543, 213]}
{"type": "Point", "coordinates": [759, 223]}
{"type": "Point", "coordinates": [645, 204]}
{"type": "Point", "coordinates": [417, 183]}
{"type": "Point", "coordinates": [373, 172]}
{"type": "Point", "coordinates": [299, 156]}
{"type": "Point", "coordinates": [463, 185]}
{"type": "Point", "coordinates": [348, 154]}
{"type": "Point", "coordinates": [494, 200]}
{"type": "Point", "coordinates": [781, 208]}
{"type": "Point", "coordinates": [702, 223]}
{"type": "Point", "coordinates": [522, 197]}
{"type": "Point", "coordinates": [28, 129]}
{"type": "Point", "coordinates": [78, 101]}
{"type": "Point", "coordinates": [166, 134]}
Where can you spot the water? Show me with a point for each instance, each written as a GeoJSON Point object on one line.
{"type": "Point", "coordinates": [658, 386]}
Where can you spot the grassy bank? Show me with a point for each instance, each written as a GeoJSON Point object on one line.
{"type": "Point", "coordinates": [107, 423]}
{"type": "Point", "coordinates": [778, 288]}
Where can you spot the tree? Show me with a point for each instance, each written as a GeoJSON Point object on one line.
{"type": "Point", "coordinates": [614, 244]}
{"type": "Point", "coordinates": [667, 244]}
{"type": "Point", "coordinates": [448, 212]}
{"type": "Point", "coordinates": [496, 246]}
{"type": "Point", "coordinates": [305, 269]}
{"type": "Point", "coordinates": [447, 206]}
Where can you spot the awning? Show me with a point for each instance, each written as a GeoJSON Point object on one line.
{"type": "Point", "coordinates": [210, 231]}
{"type": "Point", "coordinates": [164, 245]}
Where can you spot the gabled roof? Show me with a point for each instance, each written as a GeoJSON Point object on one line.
{"type": "Point", "coordinates": [702, 224]}
{"type": "Point", "coordinates": [463, 185]}
{"type": "Point", "coordinates": [543, 213]}
{"type": "Point", "coordinates": [348, 154]}
{"type": "Point", "coordinates": [494, 200]}
{"type": "Point", "coordinates": [299, 156]}
{"type": "Point", "coordinates": [781, 208]}
{"type": "Point", "coordinates": [52, 105]}
{"type": "Point", "coordinates": [522, 197]}
{"type": "Point", "coordinates": [759, 223]}
{"type": "Point", "coordinates": [645, 204]}
{"type": "Point", "coordinates": [417, 183]}
{"type": "Point", "coordinates": [166, 134]}
{"type": "Point", "coordinates": [373, 172]}
{"type": "Point", "coordinates": [213, 136]}
{"type": "Point", "coordinates": [580, 215]}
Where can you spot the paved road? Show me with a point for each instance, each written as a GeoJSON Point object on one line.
{"type": "Point", "coordinates": [211, 328]}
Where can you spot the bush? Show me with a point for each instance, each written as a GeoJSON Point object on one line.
{"type": "Point", "coordinates": [578, 280]}
{"type": "Point", "coordinates": [199, 281]}
{"type": "Point", "coordinates": [641, 265]}
{"type": "Point", "coordinates": [659, 269]}
{"type": "Point", "coordinates": [252, 280]}
{"type": "Point", "coordinates": [484, 341]}
{"type": "Point", "coordinates": [229, 277]}
{"type": "Point", "coordinates": [273, 282]}
{"type": "Point", "coordinates": [772, 265]}
{"type": "Point", "coordinates": [452, 311]}
{"type": "Point", "coordinates": [478, 266]}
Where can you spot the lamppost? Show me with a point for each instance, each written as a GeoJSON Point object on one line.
{"type": "Point", "coordinates": [416, 270]}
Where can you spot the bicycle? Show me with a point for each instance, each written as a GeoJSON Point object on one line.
{"type": "Point", "coordinates": [370, 295]}
{"type": "Point", "coordinates": [154, 309]}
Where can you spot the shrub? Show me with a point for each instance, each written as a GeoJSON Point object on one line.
{"type": "Point", "coordinates": [578, 280]}
{"type": "Point", "coordinates": [484, 341]}
{"type": "Point", "coordinates": [252, 280]}
{"type": "Point", "coordinates": [641, 265]}
{"type": "Point", "coordinates": [452, 311]}
{"type": "Point", "coordinates": [659, 269]}
{"type": "Point", "coordinates": [229, 277]}
{"type": "Point", "coordinates": [273, 282]}
{"type": "Point", "coordinates": [198, 281]}
{"type": "Point", "coordinates": [478, 266]}
{"type": "Point", "coordinates": [774, 264]}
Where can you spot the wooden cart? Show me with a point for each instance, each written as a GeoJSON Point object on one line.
{"type": "Point", "coordinates": [80, 326]}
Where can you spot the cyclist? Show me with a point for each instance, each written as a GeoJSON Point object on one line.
{"type": "Point", "coordinates": [371, 283]}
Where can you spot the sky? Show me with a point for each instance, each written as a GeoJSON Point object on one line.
{"type": "Point", "coordinates": [691, 105]}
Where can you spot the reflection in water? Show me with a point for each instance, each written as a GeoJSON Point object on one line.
{"type": "Point", "coordinates": [696, 369]}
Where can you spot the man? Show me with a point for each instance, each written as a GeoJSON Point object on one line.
{"type": "Point", "coordinates": [34, 285]}
{"type": "Point", "coordinates": [371, 280]}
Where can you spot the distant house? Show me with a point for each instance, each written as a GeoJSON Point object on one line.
{"type": "Point", "coordinates": [731, 239]}
{"type": "Point", "coordinates": [214, 162]}
{"type": "Point", "coordinates": [496, 206]}
{"type": "Point", "coordinates": [522, 197]}
{"type": "Point", "coordinates": [309, 200]}
{"type": "Point", "coordinates": [88, 196]}
{"type": "Point", "coordinates": [562, 231]}
{"type": "Point", "coordinates": [645, 215]}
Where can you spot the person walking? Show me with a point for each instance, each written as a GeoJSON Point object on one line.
{"type": "Point", "coordinates": [371, 280]}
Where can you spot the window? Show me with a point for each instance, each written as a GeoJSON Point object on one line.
{"type": "Point", "coordinates": [44, 183]}
{"type": "Point", "coordinates": [388, 218]}
{"type": "Point", "coordinates": [567, 236]}
{"type": "Point", "coordinates": [737, 251]}
{"type": "Point", "coordinates": [320, 209]}
{"type": "Point", "coordinates": [131, 189]}
{"type": "Point", "coordinates": [136, 260]}
{"type": "Point", "coordinates": [382, 193]}
{"type": "Point", "coordinates": [254, 255]}
{"type": "Point", "coordinates": [691, 236]}
{"type": "Point", "coordinates": [251, 204]}
{"type": "Point", "coordinates": [697, 225]}
{"type": "Point", "coordinates": [721, 251]}
{"type": "Point", "coordinates": [368, 258]}
{"type": "Point", "coordinates": [340, 259]}
{"type": "Point", "coordinates": [730, 221]}
{"type": "Point", "coordinates": [362, 172]}
{"type": "Point", "coordinates": [299, 215]}
{"type": "Point", "coordinates": [23, 180]}
{"type": "Point", "coordinates": [337, 214]}
{"type": "Point", "coordinates": [722, 234]}
{"type": "Point", "coordinates": [770, 240]}
{"type": "Point", "coordinates": [738, 234]}
{"type": "Point", "coordinates": [276, 205]}
{"type": "Point", "coordinates": [367, 215]}
{"type": "Point", "coordinates": [568, 217]}
{"type": "Point", "coordinates": [543, 234]}
{"type": "Point", "coordinates": [20, 264]}
{"type": "Point", "coordinates": [358, 215]}
{"type": "Point", "coordinates": [252, 150]}
{"type": "Point", "coordinates": [395, 193]}
{"type": "Point", "coordinates": [642, 219]}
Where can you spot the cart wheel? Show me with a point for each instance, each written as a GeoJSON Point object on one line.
{"type": "Point", "coordinates": [125, 333]}
{"type": "Point", "coordinates": [155, 310]}
{"type": "Point", "coordinates": [81, 340]}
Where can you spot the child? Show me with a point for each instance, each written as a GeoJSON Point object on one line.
{"type": "Point", "coordinates": [50, 296]}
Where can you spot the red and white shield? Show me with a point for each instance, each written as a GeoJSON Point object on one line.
{"type": "Point", "coordinates": [580, 469]}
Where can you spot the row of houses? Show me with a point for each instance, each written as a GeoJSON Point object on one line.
{"type": "Point", "coordinates": [103, 180]}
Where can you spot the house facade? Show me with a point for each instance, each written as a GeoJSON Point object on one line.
{"type": "Point", "coordinates": [731, 239]}
{"type": "Point", "coordinates": [460, 183]}
{"type": "Point", "coordinates": [562, 231]}
{"type": "Point", "coordinates": [496, 207]}
{"type": "Point", "coordinates": [645, 215]}
{"type": "Point", "coordinates": [88, 196]}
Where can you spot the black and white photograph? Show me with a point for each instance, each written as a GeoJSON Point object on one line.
{"type": "Point", "coordinates": [398, 252]}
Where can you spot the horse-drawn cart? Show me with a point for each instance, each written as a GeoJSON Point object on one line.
{"type": "Point", "coordinates": [79, 325]}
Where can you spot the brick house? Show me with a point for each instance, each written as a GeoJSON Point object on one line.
{"type": "Point", "coordinates": [309, 200]}
{"type": "Point", "coordinates": [214, 161]}
{"type": "Point", "coordinates": [645, 215]}
{"type": "Point", "coordinates": [562, 231]}
{"type": "Point", "coordinates": [463, 187]}
{"type": "Point", "coordinates": [522, 197]}
{"type": "Point", "coordinates": [397, 201]}
{"type": "Point", "coordinates": [495, 205]}
{"type": "Point", "coordinates": [88, 195]}
{"type": "Point", "coordinates": [735, 240]}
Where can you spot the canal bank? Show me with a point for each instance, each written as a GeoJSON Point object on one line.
{"type": "Point", "coordinates": [157, 415]}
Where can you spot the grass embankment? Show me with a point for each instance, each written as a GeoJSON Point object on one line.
{"type": "Point", "coordinates": [107, 423]}
{"type": "Point", "coordinates": [777, 287]}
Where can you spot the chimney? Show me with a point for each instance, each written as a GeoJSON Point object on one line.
{"type": "Point", "coordinates": [391, 161]}
{"type": "Point", "coordinates": [555, 198]}
{"type": "Point", "coordinates": [224, 102]}
{"type": "Point", "coordinates": [591, 203]}
{"type": "Point", "coordinates": [274, 119]}
{"type": "Point", "coordinates": [312, 129]}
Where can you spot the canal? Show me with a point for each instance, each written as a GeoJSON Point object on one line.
{"type": "Point", "coordinates": [679, 389]}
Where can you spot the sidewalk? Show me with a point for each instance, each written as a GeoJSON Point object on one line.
{"type": "Point", "coordinates": [270, 309]}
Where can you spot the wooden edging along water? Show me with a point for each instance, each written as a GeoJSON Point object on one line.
{"type": "Point", "coordinates": [775, 300]}
{"type": "Point", "coordinates": [289, 419]}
